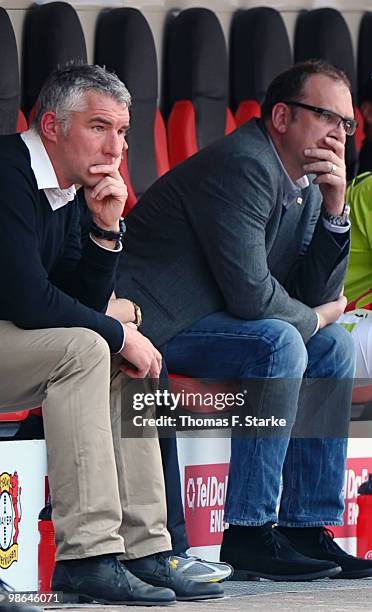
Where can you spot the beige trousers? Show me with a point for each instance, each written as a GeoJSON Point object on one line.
{"type": "Point", "coordinates": [104, 486]}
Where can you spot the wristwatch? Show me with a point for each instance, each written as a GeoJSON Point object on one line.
{"type": "Point", "coordinates": [137, 314]}
{"type": "Point", "coordinates": [338, 220]}
{"type": "Point", "coordinates": [98, 232]}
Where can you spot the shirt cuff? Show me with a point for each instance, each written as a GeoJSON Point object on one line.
{"type": "Point", "coordinates": [105, 248]}
{"type": "Point", "coordinates": [317, 326]}
{"type": "Point", "coordinates": [122, 346]}
{"type": "Point", "coordinates": [336, 229]}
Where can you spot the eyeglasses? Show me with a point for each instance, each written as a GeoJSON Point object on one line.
{"type": "Point", "coordinates": [328, 116]}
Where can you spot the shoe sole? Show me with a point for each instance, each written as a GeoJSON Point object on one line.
{"type": "Point", "coordinates": [209, 579]}
{"type": "Point", "coordinates": [367, 573]}
{"type": "Point", "coordinates": [241, 575]}
{"type": "Point", "coordinates": [200, 597]}
{"type": "Point", "coordinates": [84, 599]}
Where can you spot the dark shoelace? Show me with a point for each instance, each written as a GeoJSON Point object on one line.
{"type": "Point", "coordinates": [326, 537]}
{"type": "Point", "coordinates": [122, 573]}
{"type": "Point", "coordinates": [164, 559]}
{"type": "Point", "coordinates": [273, 538]}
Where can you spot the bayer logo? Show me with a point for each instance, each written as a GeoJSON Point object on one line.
{"type": "Point", "coordinates": [6, 520]}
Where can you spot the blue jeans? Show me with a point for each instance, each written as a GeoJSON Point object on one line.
{"type": "Point", "coordinates": [312, 387]}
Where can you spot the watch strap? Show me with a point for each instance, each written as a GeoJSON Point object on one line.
{"type": "Point", "coordinates": [137, 314]}
{"type": "Point", "coordinates": [338, 220]}
{"type": "Point", "coordinates": [98, 232]}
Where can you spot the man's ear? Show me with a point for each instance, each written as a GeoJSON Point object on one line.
{"type": "Point", "coordinates": [49, 126]}
{"type": "Point", "coordinates": [280, 116]}
{"type": "Point", "coordinates": [366, 110]}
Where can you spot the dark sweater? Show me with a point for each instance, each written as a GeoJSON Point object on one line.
{"type": "Point", "coordinates": [47, 278]}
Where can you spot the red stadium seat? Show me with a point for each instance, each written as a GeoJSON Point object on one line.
{"type": "Point", "coordinates": [182, 139]}
{"type": "Point", "coordinates": [195, 83]}
{"type": "Point", "coordinates": [259, 50]}
{"type": "Point", "coordinates": [248, 109]}
{"type": "Point", "coordinates": [359, 134]}
{"type": "Point", "coordinates": [12, 417]}
{"type": "Point", "coordinates": [21, 123]}
{"type": "Point", "coordinates": [132, 198]}
{"type": "Point", "coordinates": [161, 145]}
{"type": "Point", "coordinates": [125, 45]}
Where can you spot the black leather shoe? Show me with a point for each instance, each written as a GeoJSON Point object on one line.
{"type": "Point", "coordinates": [105, 580]}
{"type": "Point", "coordinates": [8, 605]}
{"type": "Point", "coordinates": [318, 543]}
{"type": "Point", "coordinates": [159, 570]}
{"type": "Point", "coordinates": [265, 553]}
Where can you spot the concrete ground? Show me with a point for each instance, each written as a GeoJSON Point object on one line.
{"type": "Point", "coordinates": [266, 596]}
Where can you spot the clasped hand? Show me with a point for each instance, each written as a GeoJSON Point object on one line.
{"type": "Point", "coordinates": [144, 359]}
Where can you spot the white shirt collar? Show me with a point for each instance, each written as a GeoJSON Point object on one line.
{"type": "Point", "coordinates": [44, 172]}
{"type": "Point", "coordinates": [303, 182]}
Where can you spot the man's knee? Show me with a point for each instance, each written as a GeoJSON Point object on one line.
{"type": "Point", "coordinates": [87, 346]}
{"type": "Point", "coordinates": [334, 346]}
{"type": "Point", "coordinates": [291, 348]}
{"type": "Point", "coordinates": [283, 348]}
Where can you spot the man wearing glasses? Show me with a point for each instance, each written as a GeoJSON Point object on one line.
{"type": "Point", "coordinates": [237, 259]}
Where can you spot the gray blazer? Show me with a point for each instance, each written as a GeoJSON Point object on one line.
{"type": "Point", "coordinates": [211, 235]}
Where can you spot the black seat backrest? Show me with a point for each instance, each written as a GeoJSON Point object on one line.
{"type": "Point", "coordinates": [364, 60]}
{"type": "Point", "coordinates": [324, 34]}
{"type": "Point", "coordinates": [53, 36]}
{"type": "Point", "coordinates": [259, 51]}
{"type": "Point", "coordinates": [196, 68]}
{"type": "Point", "coordinates": [9, 76]}
{"type": "Point", "coordinates": [125, 45]}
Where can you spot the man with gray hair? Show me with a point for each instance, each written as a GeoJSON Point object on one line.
{"type": "Point", "coordinates": [56, 340]}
